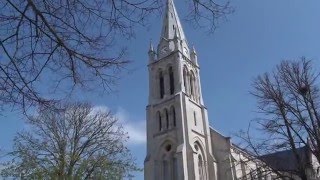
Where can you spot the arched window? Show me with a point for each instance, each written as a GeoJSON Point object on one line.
{"type": "Point", "coordinates": [195, 118]}
{"type": "Point", "coordinates": [200, 167]}
{"type": "Point", "coordinates": [167, 118]}
{"type": "Point", "coordinates": [185, 79]}
{"type": "Point", "coordinates": [200, 156]}
{"type": "Point", "coordinates": [175, 168]}
{"type": "Point", "coordinates": [160, 121]}
{"type": "Point", "coordinates": [192, 84]}
{"type": "Point", "coordinates": [173, 113]}
{"type": "Point", "coordinates": [161, 84]}
{"type": "Point", "coordinates": [171, 78]}
{"type": "Point", "coordinates": [165, 169]}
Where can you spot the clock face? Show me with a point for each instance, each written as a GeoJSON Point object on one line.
{"type": "Point", "coordinates": [185, 50]}
{"type": "Point", "coordinates": [164, 50]}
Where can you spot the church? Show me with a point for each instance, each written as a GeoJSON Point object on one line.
{"type": "Point", "coordinates": [181, 145]}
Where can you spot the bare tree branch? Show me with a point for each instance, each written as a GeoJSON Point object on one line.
{"type": "Point", "coordinates": [289, 100]}
{"type": "Point", "coordinates": [53, 47]}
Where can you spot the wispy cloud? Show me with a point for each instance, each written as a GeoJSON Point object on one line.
{"type": "Point", "coordinates": [135, 128]}
{"type": "Point", "coordinates": [96, 109]}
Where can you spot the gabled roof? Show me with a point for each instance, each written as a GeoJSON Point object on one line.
{"type": "Point", "coordinates": [285, 160]}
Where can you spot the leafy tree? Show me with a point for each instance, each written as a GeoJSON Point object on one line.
{"type": "Point", "coordinates": [76, 142]}
{"type": "Point", "coordinates": [288, 102]}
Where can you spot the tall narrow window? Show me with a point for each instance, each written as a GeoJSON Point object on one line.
{"type": "Point", "coordinates": [165, 169]}
{"type": "Point", "coordinates": [191, 84]}
{"type": "Point", "coordinates": [195, 118]}
{"type": "Point", "coordinates": [161, 84]}
{"type": "Point", "coordinates": [200, 168]}
{"type": "Point", "coordinates": [160, 123]}
{"type": "Point", "coordinates": [185, 79]}
{"type": "Point", "coordinates": [171, 80]}
{"type": "Point", "coordinates": [173, 112]}
{"type": "Point", "coordinates": [175, 168]}
{"type": "Point", "coordinates": [167, 118]}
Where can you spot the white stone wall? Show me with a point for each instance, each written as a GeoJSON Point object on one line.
{"type": "Point", "coordinates": [192, 127]}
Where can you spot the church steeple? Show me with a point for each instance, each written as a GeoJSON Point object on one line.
{"type": "Point", "coordinates": [178, 144]}
{"type": "Point", "coordinates": [171, 23]}
{"type": "Point", "coordinates": [172, 37]}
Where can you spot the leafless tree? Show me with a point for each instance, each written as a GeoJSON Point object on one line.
{"type": "Point", "coordinates": [208, 13]}
{"type": "Point", "coordinates": [62, 44]}
{"type": "Point", "coordinates": [288, 101]}
{"type": "Point", "coordinates": [56, 46]}
{"type": "Point", "coordinates": [78, 142]}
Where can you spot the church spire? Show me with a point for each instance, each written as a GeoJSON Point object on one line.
{"type": "Point", "coordinates": [171, 23]}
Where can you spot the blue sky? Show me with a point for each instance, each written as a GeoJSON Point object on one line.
{"type": "Point", "coordinates": [256, 37]}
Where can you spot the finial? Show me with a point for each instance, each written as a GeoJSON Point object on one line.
{"type": "Point", "coordinates": [151, 49]}
{"type": "Point", "coordinates": [193, 54]}
{"type": "Point", "coordinates": [193, 50]}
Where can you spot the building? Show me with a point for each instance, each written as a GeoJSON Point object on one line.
{"type": "Point", "coordinates": [181, 145]}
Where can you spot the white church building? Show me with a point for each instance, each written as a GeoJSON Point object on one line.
{"type": "Point", "coordinates": [181, 145]}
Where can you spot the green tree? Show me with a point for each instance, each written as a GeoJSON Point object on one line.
{"type": "Point", "coordinates": [75, 142]}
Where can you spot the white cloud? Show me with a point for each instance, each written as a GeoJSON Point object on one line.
{"type": "Point", "coordinates": [135, 128]}
{"type": "Point", "coordinates": [96, 109]}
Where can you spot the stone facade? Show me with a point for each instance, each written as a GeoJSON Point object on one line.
{"type": "Point", "coordinates": [180, 143]}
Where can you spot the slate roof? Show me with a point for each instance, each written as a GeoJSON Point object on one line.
{"type": "Point", "coordinates": [285, 160]}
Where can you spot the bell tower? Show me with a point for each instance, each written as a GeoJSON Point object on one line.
{"type": "Point", "coordinates": [178, 136]}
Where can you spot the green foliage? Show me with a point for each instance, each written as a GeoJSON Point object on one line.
{"type": "Point", "coordinates": [75, 142]}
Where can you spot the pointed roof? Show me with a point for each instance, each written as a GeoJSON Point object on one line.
{"type": "Point", "coordinates": [171, 23]}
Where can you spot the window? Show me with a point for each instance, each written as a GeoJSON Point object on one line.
{"type": "Point", "coordinates": [191, 84]}
{"type": "Point", "coordinates": [165, 169]}
{"type": "Point", "coordinates": [200, 167]}
{"type": "Point", "coordinates": [185, 79]}
{"type": "Point", "coordinates": [161, 84]}
{"type": "Point", "coordinates": [173, 113]}
{"type": "Point", "coordinates": [195, 118]}
{"type": "Point", "coordinates": [175, 168]}
{"type": "Point", "coordinates": [167, 118]}
{"type": "Point", "coordinates": [168, 169]}
{"type": "Point", "coordinates": [171, 78]}
{"type": "Point", "coordinates": [160, 123]}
